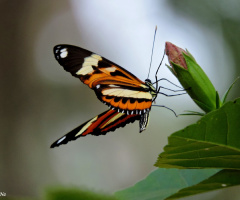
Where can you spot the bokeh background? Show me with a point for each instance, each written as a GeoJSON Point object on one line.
{"type": "Point", "coordinates": [40, 102]}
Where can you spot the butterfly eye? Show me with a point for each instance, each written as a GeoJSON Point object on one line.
{"type": "Point", "coordinates": [148, 81]}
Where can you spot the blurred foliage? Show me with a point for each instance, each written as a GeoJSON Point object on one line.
{"type": "Point", "coordinates": [74, 194]}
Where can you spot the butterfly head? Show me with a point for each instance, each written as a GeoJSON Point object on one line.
{"type": "Point", "coordinates": [148, 81]}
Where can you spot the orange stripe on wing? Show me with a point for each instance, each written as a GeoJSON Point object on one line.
{"type": "Point", "coordinates": [98, 122]}
{"type": "Point", "coordinates": [125, 118]}
{"type": "Point", "coordinates": [139, 104]}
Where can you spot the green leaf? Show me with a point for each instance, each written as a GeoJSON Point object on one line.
{"type": "Point", "coordinates": [74, 194]}
{"type": "Point", "coordinates": [227, 92]}
{"type": "Point", "coordinates": [218, 101]}
{"type": "Point", "coordinates": [203, 106]}
{"type": "Point", "coordinates": [162, 183]}
{"type": "Point", "coordinates": [170, 69]}
{"type": "Point", "coordinates": [190, 112]}
{"type": "Point", "coordinates": [213, 142]}
{"type": "Point", "coordinates": [190, 55]}
{"type": "Point", "coordinates": [222, 179]}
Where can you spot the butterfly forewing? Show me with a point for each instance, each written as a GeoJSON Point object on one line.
{"type": "Point", "coordinates": [99, 125]}
{"type": "Point", "coordinates": [112, 84]}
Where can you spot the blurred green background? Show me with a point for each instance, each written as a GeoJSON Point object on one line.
{"type": "Point", "coordinates": [40, 102]}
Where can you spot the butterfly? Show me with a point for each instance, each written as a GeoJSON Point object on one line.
{"type": "Point", "coordinates": [129, 99]}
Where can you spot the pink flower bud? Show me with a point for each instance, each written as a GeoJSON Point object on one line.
{"type": "Point", "coordinates": [192, 77]}
{"type": "Point", "coordinates": [175, 55]}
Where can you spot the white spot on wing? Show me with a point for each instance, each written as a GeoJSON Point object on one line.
{"type": "Point", "coordinates": [113, 85]}
{"type": "Point", "coordinates": [97, 86]}
{"type": "Point", "coordinates": [88, 63]}
{"type": "Point", "coordinates": [110, 69]}
{"type": "Point", "coordinates": [85, 70]}
{"type": "Point", "coordinates": [64, 53]}
{"type": "Point", "coordinates": [92, 60]}
{"type": "Point", "coordinates": [96, 56]}
{"type": "Point", "coordinates": [60, 140]}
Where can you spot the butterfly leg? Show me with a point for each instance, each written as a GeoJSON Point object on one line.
{"type": "Point", "coordinates": [171, 95]}
{"type": "Point", "coordinates": [167, 108]}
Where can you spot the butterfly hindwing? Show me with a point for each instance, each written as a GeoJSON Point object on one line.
{"type": "Point", "coordinates": [112, 84]}
{"type": "Point", "coordinates": [99, 125]}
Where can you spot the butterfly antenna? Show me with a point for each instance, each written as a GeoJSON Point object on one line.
{"type": "Point", "coordinates": [156, 78]}
{"type": "Point", "coordinates": [152, 51]}
{"type": "Point", "coordinates": [159, 66]}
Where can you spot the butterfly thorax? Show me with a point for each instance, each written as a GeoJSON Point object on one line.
{"type": "Point", "coordinates": [152, 89]}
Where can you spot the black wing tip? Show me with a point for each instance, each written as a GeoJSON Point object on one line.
{"type": "Point", "coordinates": [59, 46]}
{"type": "Point", "coordinates": [56, 144]}
{"type": "Point", "coordinates": [53, 145]}
{"type": "Point", "coordinates": [62, 140]}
